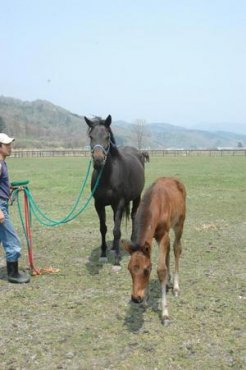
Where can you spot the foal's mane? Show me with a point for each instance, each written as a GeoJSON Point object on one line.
{"type": "Point", "coordinates": [144, 213]}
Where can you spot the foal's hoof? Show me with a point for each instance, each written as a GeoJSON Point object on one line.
{"type": "Point", "coordinates": [116, 268]}
{"type": "Point", "coordinates": [176, 293]}
{"type": "Point", "coordinates": [103, 259]}
{"type": "Point", "coordinates": [165, 321]}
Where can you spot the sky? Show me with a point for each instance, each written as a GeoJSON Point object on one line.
{"type": "Point", "coordinates": [177, 61]}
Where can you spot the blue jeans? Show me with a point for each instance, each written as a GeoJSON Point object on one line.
{"type": "Point", "coordinates": [8, 236]}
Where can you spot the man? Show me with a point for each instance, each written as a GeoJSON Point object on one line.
{"type": "Point", "coordinates": [8, 235]}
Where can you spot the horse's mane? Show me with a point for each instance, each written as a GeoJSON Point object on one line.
{"type": "Point", "coordinates": [112, 138]}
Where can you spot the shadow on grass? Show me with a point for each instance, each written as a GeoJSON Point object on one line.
{"type": "Point", "coordinates": [3, 273]}
{"type": "Point", "coordinates": [134, 319]}
{"type": "Point", "coordinates": [94, 265]}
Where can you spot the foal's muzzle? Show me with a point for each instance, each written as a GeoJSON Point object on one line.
{"type": "Point", "coordinates": [137, 299]}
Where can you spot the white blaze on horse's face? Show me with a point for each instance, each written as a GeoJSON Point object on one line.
{"type": "Point", "coordinates": [99, 142]}
{"type": "Point", "coordinates": [99, 134]}
{"type": "Point", "coordinates": [139, 267]}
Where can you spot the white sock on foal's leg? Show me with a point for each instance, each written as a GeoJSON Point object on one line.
{"type": "Point", "coordinates": [176, 284]}
{"type": "Point", "coordinates": [165, 315]}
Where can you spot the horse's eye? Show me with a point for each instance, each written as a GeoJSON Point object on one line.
{"type": "Point", "coordinates": [146, 272]}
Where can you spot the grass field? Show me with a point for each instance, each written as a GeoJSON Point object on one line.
{"type": "Point", "coordinates": [81, 318]}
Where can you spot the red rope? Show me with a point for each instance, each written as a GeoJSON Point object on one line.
{"type": "Point", "coordinates": [33, 269]}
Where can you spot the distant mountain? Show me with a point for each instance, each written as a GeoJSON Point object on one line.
{"type": "Point", "coordinates": [164, 135]}
{"type": "Point", "coordinates": [235, 127]}
{"type": "Point", "coordinates": [41, 124]}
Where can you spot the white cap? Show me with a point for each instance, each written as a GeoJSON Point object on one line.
{"type": "Point", "coordinates": [5, 139]}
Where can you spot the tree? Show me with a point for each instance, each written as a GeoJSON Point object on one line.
{"type": "Point", "coordinates": [2, 124]}
{"type": "Point", "coordinates": [140, 132]}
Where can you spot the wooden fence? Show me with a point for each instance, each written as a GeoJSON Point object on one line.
{"type": "Point", "coordinates": [160, 153]}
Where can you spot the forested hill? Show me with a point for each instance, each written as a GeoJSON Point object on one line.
{"type": "Point", "coordinates": [41, 124]}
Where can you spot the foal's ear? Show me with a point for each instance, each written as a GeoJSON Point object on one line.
{"type": "Point", "coordinates": [146, 249]}
{"type": "Point", "coordinates": [89, 122]}
{"type": "Point", "coordinates": [108, 121]}
{"type": "Point", "coordinates": [127, 245]}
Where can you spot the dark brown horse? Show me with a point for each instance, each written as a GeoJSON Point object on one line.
{"type": "Point", "coordinates": [162, 208]}
{"type": "Point", "coordinates": [121, 182]}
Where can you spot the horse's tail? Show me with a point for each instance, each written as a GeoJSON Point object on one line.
{"type": "Point", "coordinates": [145, 155]}
{"type": "Point", "coordinates": [126, 211]}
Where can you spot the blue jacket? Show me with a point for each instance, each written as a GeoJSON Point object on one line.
{"type": "Point", "coordinates": [4, 181]}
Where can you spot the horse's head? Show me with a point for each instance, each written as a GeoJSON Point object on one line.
{"type": "Point", "coordinates": [99, 133]}
{"type": "Point", "coordinates": [139, 267]}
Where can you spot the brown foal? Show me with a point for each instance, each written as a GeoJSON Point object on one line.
{"type": "Point", "coordinates": [162, 208]}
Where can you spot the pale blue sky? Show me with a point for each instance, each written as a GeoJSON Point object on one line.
{"type": "Point", "coordinates": [176, 61]}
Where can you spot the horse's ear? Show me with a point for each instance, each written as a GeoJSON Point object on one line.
{"type": "Point", "coordinates": [108, 121]}
{"type": "Point", "coordinates": [127, 245]}
{"type": "Point", "coordinates": [89, 122]}
{"type": "Point", "coordinates": [146, 249]}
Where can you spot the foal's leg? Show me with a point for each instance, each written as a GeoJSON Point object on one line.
{"type": "Point", "coordinates": [169, 281]}
{"type": "Point", "coordinates": [162, 272]}
{"type": "Point", "coordinates": [103, 229]}
{"type": "Point", "coordinates": [177, 247]}
{"type": "Point", "coordinates": [135, 205]}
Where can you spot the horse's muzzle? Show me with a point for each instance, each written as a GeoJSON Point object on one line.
{"type": "Point", "coordinates": [137, 299]}
{"type": "Point", "coordinates": [99, 162]}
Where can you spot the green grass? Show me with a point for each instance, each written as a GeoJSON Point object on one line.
{"type": "Point", "coordinates": [81, 318]}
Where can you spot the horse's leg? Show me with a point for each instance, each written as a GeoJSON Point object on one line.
{"type": "Point", "coordinates": [162, 272]}
{"type": "Point", "coordinates": [118, 213]}
{"type": "Point", "coordinates": [135, 205]}
{"type": "Point", "coordinates": [169, 281]}
{"type": "Point", "coordinates": [177, 247]}
{"type": "Point", "coordinates": [114, 214]}
{"type": "Point", "coordinates": [103, 229]}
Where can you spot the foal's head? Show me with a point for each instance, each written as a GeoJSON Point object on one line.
{"type": "Point", "coordinates": [99, 133]}
{"type": "Point", "coordinates": [139, 267]}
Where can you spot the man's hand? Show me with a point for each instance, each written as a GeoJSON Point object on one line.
{"type": "Point", "coordinates": [1, 217]}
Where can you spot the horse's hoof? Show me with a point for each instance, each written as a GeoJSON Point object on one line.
{"type": "Point", "coordinates": [165, 321]}
{"type": "Point", "coordinates": [103, 259]}
{"type": "Point", "coordinates": [116, 268]}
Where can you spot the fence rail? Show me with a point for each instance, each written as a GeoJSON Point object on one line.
{"type": "Point", "coordinates": [160, 153]}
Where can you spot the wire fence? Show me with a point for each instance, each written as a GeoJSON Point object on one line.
{"type": "Point", "coordinates": [16, 153]}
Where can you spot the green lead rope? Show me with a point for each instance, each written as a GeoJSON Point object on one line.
{"type": "Point", "coordinates": [41, 217]}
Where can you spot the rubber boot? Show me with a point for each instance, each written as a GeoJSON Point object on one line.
{"type": "Point", "coordinates": [14, 276]}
